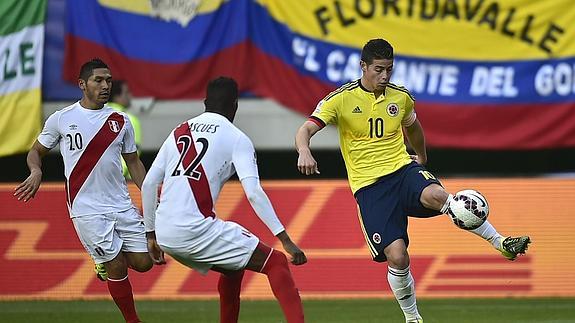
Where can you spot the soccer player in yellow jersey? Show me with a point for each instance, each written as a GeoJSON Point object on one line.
{"type": "Point", "coordinates": [371, 115]}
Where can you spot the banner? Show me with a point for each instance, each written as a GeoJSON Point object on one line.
{"type": "Point", "coordinates": [321, 218]}
{"type": "Point", "coordinates": [21, 50]}
{"type": "Point", "coordinates": [486, 74]}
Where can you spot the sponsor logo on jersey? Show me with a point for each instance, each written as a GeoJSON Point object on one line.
{"type": "Point", "coordinates": [356, 110]}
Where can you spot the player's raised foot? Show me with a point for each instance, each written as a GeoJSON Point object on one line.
{"type": "Point", "coordinates": [513, 246]}
{"type": "Point", "coordinates": [101, 272]}
{"type": "Point", "coordinates": [416, 320]}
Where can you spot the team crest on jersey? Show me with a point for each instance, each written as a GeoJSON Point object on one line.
{"type": "Point", "coordinates": [392, 109]}
{"type": "Point", "coordinates": [376, 238]}
{"type": "Point", "coordinates": [114, 125]}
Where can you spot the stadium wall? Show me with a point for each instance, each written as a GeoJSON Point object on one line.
{"type": "Point", "coordinates": [272, 128]}
{"type": "Point", "coordinates": [42, 258]}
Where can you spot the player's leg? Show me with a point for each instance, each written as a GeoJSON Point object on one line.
{"type": "Point", "coordinates": [400, 279]}
{"type": "Point", "coordinates": [120, 287]}
{"type": "Point", "coordinates": [229, 288]}
{"type": "Point", "coordinates": [130, 229]}
{"type": "Point", "coordinates": [435, 197]}
{"type": "Point", "coordinates": [274, 265]}
{"type": "Point", "coordinates": [139, 261]}
{"type": "Point", "coordinates": [384, 224]}
{"type": "Point", "coordinates": [227, 247]}
{"type": "Point", "coordinates": [97, 234]}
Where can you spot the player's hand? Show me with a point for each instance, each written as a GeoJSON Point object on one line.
{"type": "Point", "coordinates": [155, 252]}
{"type": "Point", "coordinates": [306, 164]}
{"type": "Point", "coordinates": [297, 255]}
{"type": "Point", "coordinates": [418, 159]}
{"type": "Point", "coordinates": [28, 188]}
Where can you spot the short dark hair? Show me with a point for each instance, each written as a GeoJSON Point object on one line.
{"type": "Point", "coordinates": [116, 89]}
{"type": "Point", "coordinates": [221, 95]}
{"type": "Point", "coordinates": [88, 68]}
{"type": "Point", "coordinates": [376, 49]}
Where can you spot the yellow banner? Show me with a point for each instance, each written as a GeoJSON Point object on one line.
{"type": "Point", "coordinates": [451, 29]}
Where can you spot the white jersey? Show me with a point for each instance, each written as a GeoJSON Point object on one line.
{"type": "Point", "coordinates": [91, 143]}
{"type": "Point", "coordinates": [194, 162]}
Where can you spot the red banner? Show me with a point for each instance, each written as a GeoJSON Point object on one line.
{"type": "Point", "coordinates": [42, 258]}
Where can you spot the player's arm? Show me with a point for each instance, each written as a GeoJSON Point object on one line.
{"type": "Point", "coordinates": [306, 164]}
{"type": "Point", "coordinates": [135, 167]}
{"type": "Point", "coordinates": [265, 211]}
{"type": "Point", "coordinates": [414, 134]}
{"type": "Point", "coordinates": [28, 188]}
{"type": "Point", "coordinates": [149, 193]}
{"type": "Point", "coordinates": [130, 154]}
{"type": "Point", "coordinates": [244, 161]}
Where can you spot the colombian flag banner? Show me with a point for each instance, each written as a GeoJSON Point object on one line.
{"type": "Point", "coordinates": [21, 45]}
{"type": "Point", "coordinates": [486, 74]}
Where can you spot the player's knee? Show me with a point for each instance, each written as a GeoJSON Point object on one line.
{"type": "Point", "coordinates": [397, 257]}
{"type": "Point", "coordinates": [145, 266]}
{"type": "Point", "coordinates": [398, 261]}
{"type": "Point", "coordinates": [141, 264]}
{"type": "Point", "coordinates": [276, 261]}
{"type": "Point", "coordinates": [279, 258]}
{"type": "Point", "coordinates": [434, 197]}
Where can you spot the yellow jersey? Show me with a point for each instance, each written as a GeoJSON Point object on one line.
{"type": "Point", "coordinates": [370, 129]}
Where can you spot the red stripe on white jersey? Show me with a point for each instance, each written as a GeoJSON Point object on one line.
{"type": "Point", "coordinates": [199, 182]}
{"type": "Point", "coordinates": [92, 154]}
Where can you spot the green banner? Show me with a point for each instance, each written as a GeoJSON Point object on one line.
{"type": "Point", "coordinates": [21, 51]}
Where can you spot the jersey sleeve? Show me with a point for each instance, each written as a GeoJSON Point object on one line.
{"type": "Point", "coordinates": [326, 111]}
{"type": "Point", "coordinates": [261, 204]}
{"type": "Point", "coordinates": [129, 142]}
{"type": "Point", "coordinates": [244, 158]}
{"type": "Point", "coordinates": [152, 181]}
{"type": "Point", "coordinates": [410, 116]}
{"type": "Point", "coordinates": [50, 135]}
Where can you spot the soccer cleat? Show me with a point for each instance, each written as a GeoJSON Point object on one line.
{"type": "Point", "coordinates": [101, 272]}
{"type": "Point", "coordinates": [511, 247]}
{"type": "Point", "coordinates": [417, 320]}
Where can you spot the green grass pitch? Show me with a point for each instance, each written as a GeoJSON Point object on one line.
{"type": "Point", "coordinates": [520, 310]}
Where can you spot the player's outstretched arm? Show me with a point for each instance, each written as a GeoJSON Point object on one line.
{"type": "Point", "coordinates": [306, 164]}
{"type": "Point", "coordinates": [297, 255]}
{"type": "Point", "coordinates": [28, 188]}
{"type": "Point", "coordinates": [264, 209]}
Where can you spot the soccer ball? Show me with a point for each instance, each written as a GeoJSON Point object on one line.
{"type": "Point", "coordinates": [468, 209]}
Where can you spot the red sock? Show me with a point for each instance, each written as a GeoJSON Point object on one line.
{"type": "Point", "coordinates": [121, 291]}
{"type": "Point", "coordinates": [283, 286]}
{"type": "Point", "coordinates": [229, 287]}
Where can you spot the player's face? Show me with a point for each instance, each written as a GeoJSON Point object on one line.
{"type": "Point", "coordinates": [97, 89]}
{"type": "Point", "coordinates": [377, 74]}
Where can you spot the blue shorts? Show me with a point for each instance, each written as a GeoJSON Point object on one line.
{"type": "Point", "coordinates": [385, 205]}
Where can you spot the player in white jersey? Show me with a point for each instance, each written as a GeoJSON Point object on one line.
{"type": "Point", "coordinates": [193, 164]}
{"type": "Point", "coordinates": [93, 138]}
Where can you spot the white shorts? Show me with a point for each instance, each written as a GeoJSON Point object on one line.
{"type": "Point", "coordinates": [224, 244]}
{"type": "Point", "coordinates": [105, 235]}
